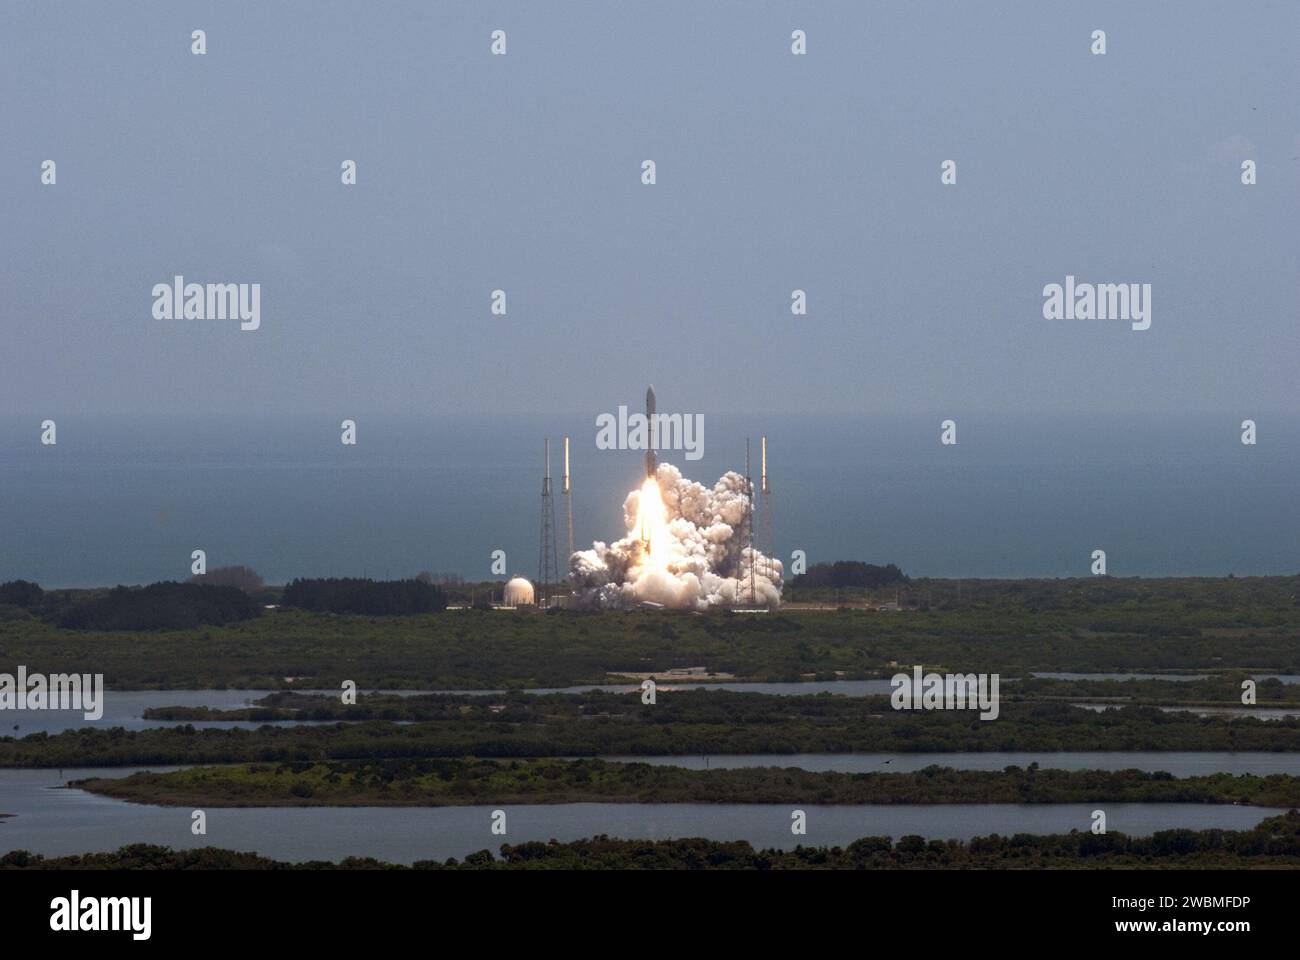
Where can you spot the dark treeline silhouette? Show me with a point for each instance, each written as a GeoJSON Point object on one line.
{"type": "Point", "coordinates": [21, 593]}
{"type": "Point", "coordinates": [849, 573]}
{"type": "Point", "coordinates": [370, 597]}
{"type": "Point", "coordinates": [159, 606]}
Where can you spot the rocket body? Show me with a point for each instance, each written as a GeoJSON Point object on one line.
{"type": "Point", "coordinates": [650, 459]}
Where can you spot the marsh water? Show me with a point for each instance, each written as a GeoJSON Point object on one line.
{"type": "Point", "coordinates": [125, 708]}
{"type": "Point", "coordinates": [53, 820]}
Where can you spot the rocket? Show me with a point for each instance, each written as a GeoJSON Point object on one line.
{"type": "Point", "coordinates": [649, 422]}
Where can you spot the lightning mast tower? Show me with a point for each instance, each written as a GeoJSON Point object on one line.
{"type": "Point", "coordinates": [749, 490]}
{"type": "Point", "coordinates": [766, 541]}
{"type": "Point", "coordinates": [547, 563]}
{"type": "Point", "coordinates": [568, 497]}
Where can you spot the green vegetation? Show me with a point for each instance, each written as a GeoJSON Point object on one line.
{"type": "Point", "coordinates": [371, 598]}
{"type": "Point", "coordinates": [21, 593]}
{"type": "Point", "coordinates": [433, 783]}
{"type": "Point", "coordinates": [847, 573]}
{"type": "Point", "coordinates": [1006, 627]}
{"type": "Point", "coordinates": [503, 748]}
{"type": "Point", "coordinates": [159, 606]}
{"type": "Point", "coordinates": [1274, 843]}
{"type": "Point", "coordinates": [686, 722]}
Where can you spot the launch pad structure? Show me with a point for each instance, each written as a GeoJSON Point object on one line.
{"type": "Point", "coordinates": [568, 497]}
{"type": "Point", "coordinates": [760, 522]}
{"type": "Point", "coordinates": [548, 566]}
{"type": "Point", "coordinates": [759, 515]}
{"type": "Point", "coordinates": [766, 544]}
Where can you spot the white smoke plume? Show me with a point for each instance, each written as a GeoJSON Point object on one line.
{"type": "Point", "coordinates": [698, 558]}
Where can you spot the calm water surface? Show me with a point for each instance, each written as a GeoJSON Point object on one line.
{"type": "Point", "coordinates": [53, 821]}
{"type": "Point", "coordinates": [125, 708]}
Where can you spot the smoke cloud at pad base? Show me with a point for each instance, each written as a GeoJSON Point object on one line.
{"type": "Point", "coordinates": [687, 547]}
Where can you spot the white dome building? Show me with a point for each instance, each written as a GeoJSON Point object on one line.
{"type": "Point", "coordinates": [518, 593]}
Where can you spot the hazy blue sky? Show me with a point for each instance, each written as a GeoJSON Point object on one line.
{"type": "Point", "coordinates": [774, 172]}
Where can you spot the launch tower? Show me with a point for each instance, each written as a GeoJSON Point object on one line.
{"type": "Point", "coordinates": [548, 566]}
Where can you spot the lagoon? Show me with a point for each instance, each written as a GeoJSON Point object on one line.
{"type": "Point", "coordinates": [52, 820]}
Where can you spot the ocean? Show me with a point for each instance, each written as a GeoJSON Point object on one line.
{"type": "Point", "coordinates": [120, 500]}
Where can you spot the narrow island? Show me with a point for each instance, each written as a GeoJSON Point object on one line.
{"type": "Point", "coordinates": [459, 782]}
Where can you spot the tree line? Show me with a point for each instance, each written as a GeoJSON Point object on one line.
{"type": "Point", "coordinates": [849, 573]}
{"type": "Point", "coordinates": [222, 597]}
{"type": "Point", "coordinates": [159, 606]}
{"type": "Point", "coordinates": [364, 596]}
